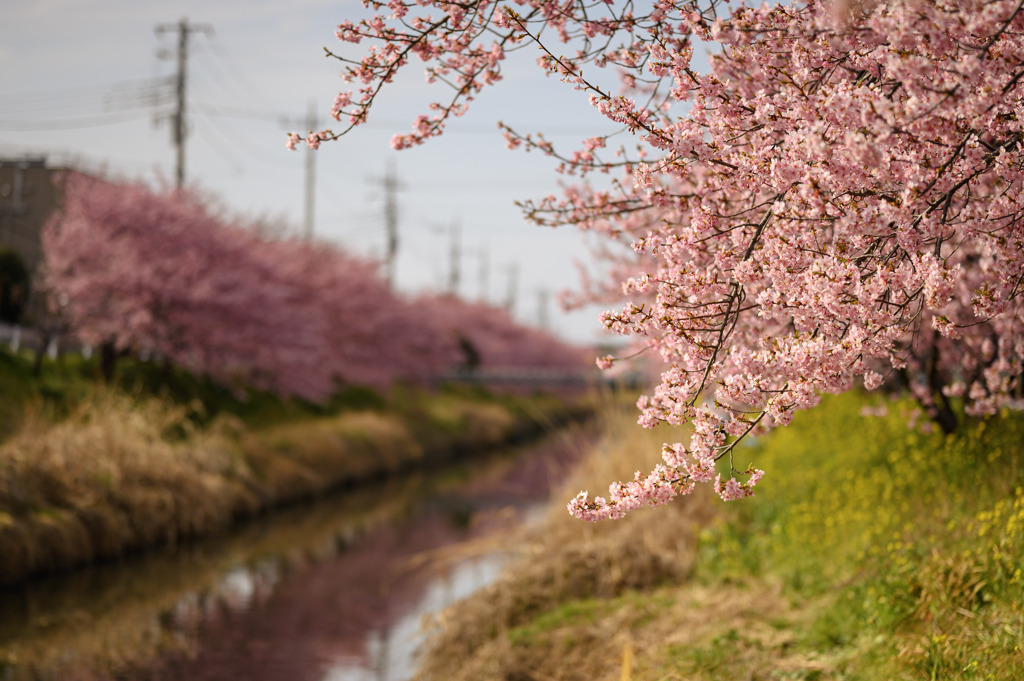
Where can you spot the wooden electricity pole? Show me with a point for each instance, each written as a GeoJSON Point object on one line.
{"type": "Point", "coordinates": [179, 126]}
{"type": "Point", "coordinates": [391, 185]}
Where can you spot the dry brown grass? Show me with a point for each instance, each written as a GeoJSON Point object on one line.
{"type": "Point", "coordinates": [115, 475]}
{"type": "Point", "coordinates": [121, 474]}
{"type": "Point", "coordinates": [563, 560]}
{"type": "Point", "coordinates": [308, 458]}
{"type": "Point", "coordinates": [654, 634]}
{"type": "Point", "coordinates": [311, 457]}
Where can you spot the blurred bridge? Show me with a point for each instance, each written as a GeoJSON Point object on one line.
{"type": "Point", "coordinates": [539, 378]}
{"type": "Point", "coordinates": [524, 377]}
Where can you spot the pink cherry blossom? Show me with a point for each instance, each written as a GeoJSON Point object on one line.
{"type": "Point", "coordinates": [165, 274]}
{"type": "Point", "coordinates": [834, 202]}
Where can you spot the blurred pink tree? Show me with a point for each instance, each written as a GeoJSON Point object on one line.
{"type": "Point", "coordinates": [162, 273]}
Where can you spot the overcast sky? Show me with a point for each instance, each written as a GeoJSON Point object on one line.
{"type": "Point", "coordinates": [87, 82]}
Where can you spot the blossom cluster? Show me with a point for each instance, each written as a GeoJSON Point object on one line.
{"type": "Point", "coordinates": [836, 201]}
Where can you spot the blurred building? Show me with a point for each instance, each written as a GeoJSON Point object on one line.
{"type": "Point", "coordinates": [29, 195]}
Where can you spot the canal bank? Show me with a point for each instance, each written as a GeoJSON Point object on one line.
{"type": "Point", "coordinates": [329, 590]}
{"type": "Point", "coordinates": [121, 475]}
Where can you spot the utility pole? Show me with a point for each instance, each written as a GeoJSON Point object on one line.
{"type": "Point", "coordinates": [310, 205]}
{"type": "Point", "coordinates": [309, 183]}
{"type": "Point", "coordinates": [391, 186]}
{"type": "Point", "coordinates": [454, 258]}
{"type": "Point", "coordinates": [178, 134]}
{"type": "Point", "coordinates": [543, 297]}
{"type": "Point", "coordinates": [484, 276]}
{"type": "Point", "coordinates": [513, 285]}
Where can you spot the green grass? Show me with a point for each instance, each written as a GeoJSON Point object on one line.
{"type": "Point", "coordinates": [55, 390]}
{"type": "Point", "coordinates": [874, 550]}
{"type": "Point", "coordinates": [587, 612]}
{"type": "Point", "coordinates": [911, 542]}
{"type": "Point", "coordinates": [62, 385]}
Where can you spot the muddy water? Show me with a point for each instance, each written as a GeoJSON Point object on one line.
{"type": "Point", "coordinates": [333, 591]}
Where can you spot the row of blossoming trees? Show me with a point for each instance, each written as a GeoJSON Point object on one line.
{"type": "Point", "coordinates": [162, 273]}
{"type": "Point", "coordinates": [837, 200]}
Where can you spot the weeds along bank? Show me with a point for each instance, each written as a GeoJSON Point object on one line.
{"type": "Point", "coordinates": [872, 551]}
{"type": "Point", "coordinates": [95, 473]}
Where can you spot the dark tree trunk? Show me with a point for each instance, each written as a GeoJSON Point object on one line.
{"type": "Point", "coordinates": [941, 411]}
{"type": "Point", "coordinates": [44, 343]}
{"type": "Point", "coordinates": [944, 415]}
{"type": "Point", "coordinates": [108, 358]}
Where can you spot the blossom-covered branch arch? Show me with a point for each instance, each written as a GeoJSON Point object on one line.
{"type": "Point", "coordinates": [836, 199]}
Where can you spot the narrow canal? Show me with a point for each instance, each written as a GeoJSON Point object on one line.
{"type": "Point", "coordinates": [330, 591]}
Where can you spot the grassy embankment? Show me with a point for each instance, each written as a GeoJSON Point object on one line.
{"type": "Point", "coordinates": [90, 473]}
{"type": "Point", "coordinates": [872, 552]}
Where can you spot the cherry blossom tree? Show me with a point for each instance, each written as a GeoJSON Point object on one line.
{"type": "Point", "coordinates": [835, 201]}
{"type": "Point", "coordinates": [374, 337]}
{"type": "Point", "coordinates": [163, 273]}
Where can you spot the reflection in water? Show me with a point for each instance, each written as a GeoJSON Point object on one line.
{"type": "Point", "coordinates": [391, 652]}
{"type": "Point", "coordinates": [332, 591]}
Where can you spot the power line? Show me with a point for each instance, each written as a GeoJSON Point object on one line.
{"type": "Point", "coordinates": [214, 74]}
{"type": "Point", "coordinates": [213, 137]}
{"type": "Point", "coordinates": [95, 121]}
{"type": "Point", "coordinates": [243, 113]}
{"type": "Point", "coordinates": [228, 135]}
{"type": "Point", "coordinates": [54, 98]}
{"type": "Point", "coordinates": [236, 73]}
{"type": "Point", "coordinates": [40, 106]}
